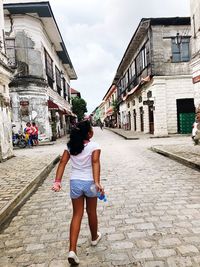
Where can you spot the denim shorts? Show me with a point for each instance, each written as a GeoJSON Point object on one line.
{"type": "Point", "coordinates": [80, 188]}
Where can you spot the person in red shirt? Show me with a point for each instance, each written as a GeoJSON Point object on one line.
{"type": "Point", "coordinates": [35, 133]}
{"type": "Point", "coordinates": [28, 134]}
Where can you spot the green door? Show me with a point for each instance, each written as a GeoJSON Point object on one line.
{"type": "Point", "coordinates": [186, 121]}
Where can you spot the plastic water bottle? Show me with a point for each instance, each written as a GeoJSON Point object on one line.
{"type": "Point", "coordinates": [99, 195]}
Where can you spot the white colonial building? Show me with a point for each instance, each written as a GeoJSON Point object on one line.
{"type": "Point", "coordinates": [154, 79]}
{"type": "Point", "coordinates": [6, 150]}
{"type": "Point", "coordinates": [109, 100]}
{"type": "Point", "coordinates": [195, 41]}
{"type": "Point", "coordinates": [40, 90]}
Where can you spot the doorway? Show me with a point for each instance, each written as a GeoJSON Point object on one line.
{"type": "Point", "coordinates": [129, 121]}
{"type": "Point", "coordinates": [134, 119]}
{"type": "Point", "coordinates": [151, 119]}
{"type": "Point", "coordinates": [185, 115]}
{"type": "Point", "coordinates": [141, 119]}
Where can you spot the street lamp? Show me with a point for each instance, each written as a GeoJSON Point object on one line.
{"type": "Point", "coordinates": [178, 39]}
{"type": "Point", "coordinates": [62, 74]}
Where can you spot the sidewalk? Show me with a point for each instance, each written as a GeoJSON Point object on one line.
{"type": "Point", "coordinates": [21, 175]}
{"type": "Point", "coordinates": [187, 153]}
{"type": "Point", "coordinates": [130, 135]}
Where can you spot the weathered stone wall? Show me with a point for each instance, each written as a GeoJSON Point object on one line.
{"type": "Point", "coordinates": [195, 40]}
{"type": "Point", "coordinates": [6, 149]}
{"type": "Point", "coordinates": [29, 101]}
{"type": "Point", "coordinates": [1, 24]}
{"type": "Point", "coordinates": [162, 50]}
{"type": "Point", "coordinates": [195, 26]}
{"type": "Point", "coordinates": [29, 85]}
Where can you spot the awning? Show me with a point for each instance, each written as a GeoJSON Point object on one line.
{"type": "Point", "coordinates": [110, 111]}
{"type": "Point", "coordinates": [133, 90]}
{"type": "Point", "coordinates": [52, 105]}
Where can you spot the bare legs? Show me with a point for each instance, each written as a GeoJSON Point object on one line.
{"type": "Point", "coordinates": [91, 208]}
{"type": "Point", "coordinates": [78, 209]}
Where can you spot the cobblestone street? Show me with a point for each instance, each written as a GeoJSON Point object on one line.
{"type": "Point", "coordinates": [151, 218]}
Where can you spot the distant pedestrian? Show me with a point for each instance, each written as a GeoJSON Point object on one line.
{"type": "Point", "coordinates": [85, 172]}
{"type": "Point", "coordinates": [101, 125]}
{"type": "Point", "coordinates": [35, 133]}
{"type": "Point", "coordinates": [28, 134]}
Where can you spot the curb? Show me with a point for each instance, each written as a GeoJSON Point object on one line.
{"type": "Point", "coordinates": [7, 211]}
{"type": "Point", "coordinates": [179, 159]}
{"type": "Point", "coordinates": [125, 137]}
{"type": "Point", "coordinates": [40, 144]}
{"type": "Point", "coordinates": [146, 137]}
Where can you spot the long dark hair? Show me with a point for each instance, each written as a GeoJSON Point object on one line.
{"type": "Point", "coordinates": [78, 135]}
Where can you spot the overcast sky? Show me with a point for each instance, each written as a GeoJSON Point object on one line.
{"type": "Point", "coordinates": [96, 34]}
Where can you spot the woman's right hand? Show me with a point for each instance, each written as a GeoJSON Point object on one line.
{"type": "Point", "coordinates": [56, 186]}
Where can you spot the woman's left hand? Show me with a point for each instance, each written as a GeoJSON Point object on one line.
{"type": "Point", "coordinates": [99, 188]}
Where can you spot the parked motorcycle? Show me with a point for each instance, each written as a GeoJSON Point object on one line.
{"type": "Point", "coordinates": [18, 140]}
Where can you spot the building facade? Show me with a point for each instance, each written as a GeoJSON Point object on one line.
{"type": "Point", "coordinates": [154, 78]}
{"type": "Point", "coordinates": [75, 93]}
{"type": "Point", "coordinates": [6, 149]}
{"type": "Point", "coordinates": [40, 90]}
{"type": "Point", "coordinates": [110, 101]}
{"type": "Point", "coordinates": [99, 114]}
{"type": "Point", "coordinates": [195, 40]}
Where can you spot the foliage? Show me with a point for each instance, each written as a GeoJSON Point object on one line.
{"type": "Point", "coordinates": [79, 107]}
{"type": "Point", "coordinates": [115, 106]}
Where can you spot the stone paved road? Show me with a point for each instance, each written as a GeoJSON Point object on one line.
{"type": "Point", "coordinates": [151, 219]}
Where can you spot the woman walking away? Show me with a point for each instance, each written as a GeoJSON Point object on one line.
{"type": "Point", "coordinates": [85, 171]}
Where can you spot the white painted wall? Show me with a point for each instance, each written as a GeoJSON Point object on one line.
{"type": "Point", "coordinates": [123, 113]}
{"type": "Point", "coordinates": [1, 23]}
{"type": "Point", "coordinates": [165, 91]}
{"type": "Point", "coordinates": [6, 149]}
{"type": "Point", "coordinates": [177, 88]}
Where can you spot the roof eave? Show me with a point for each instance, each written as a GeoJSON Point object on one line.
{"type": "Point", "coordinates": [44, 11]}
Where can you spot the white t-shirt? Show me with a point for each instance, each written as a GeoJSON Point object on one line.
{"type": "Point", "coordinates": [81, 164]}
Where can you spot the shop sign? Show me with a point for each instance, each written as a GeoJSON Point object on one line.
{"type": "Point", "coordinates": [24, 103]}
{"type": "Point", "coordinates": [148, 102]}
{"type": "Point", "coordinates": [196, 79]}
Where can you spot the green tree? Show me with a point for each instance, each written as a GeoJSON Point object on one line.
{"type": "Point", "coordinates": [115, 106]}
{"type": "Point", "coordinates": [79, 107]}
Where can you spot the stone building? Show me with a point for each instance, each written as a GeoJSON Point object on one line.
{"type": "Point", "coordinates": [99, 114]}
{"type": "Point", "coordinates": [154, 78]}
{"type": "Point", "coordinates": [6, 150]}
{"type": "Point", "coordinates": [40, 90]}
{"type": "Point", "coordinates": [195, 41]}
{"type": "Point", "coordinates": [109, 100]}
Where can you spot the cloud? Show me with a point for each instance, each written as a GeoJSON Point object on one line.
{"type": "Point", "coordinates": [97, 33]}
